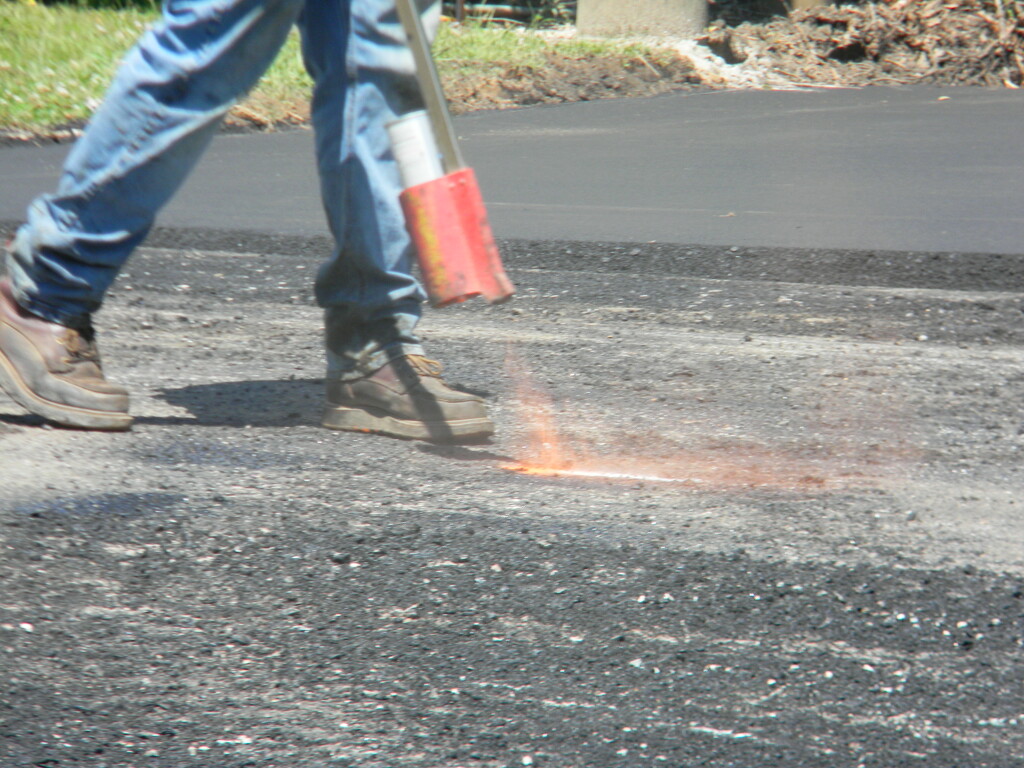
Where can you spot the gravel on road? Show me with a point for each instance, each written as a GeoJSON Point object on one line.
{"type": "Point", "coordinates": [817, 557]}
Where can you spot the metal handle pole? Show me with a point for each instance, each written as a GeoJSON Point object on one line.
{"type": "Point", "coordinates": [430, 85]}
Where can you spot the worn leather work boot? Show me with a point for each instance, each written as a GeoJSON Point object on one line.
{"type": "Point", "coordinates": [406, 398]}
{"type": "Point", "coordinates": [55, 372]}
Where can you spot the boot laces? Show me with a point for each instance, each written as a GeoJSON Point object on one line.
{"type": "Point", "coordinates": [424, 366]}
{"type": "Point", "coordinates": [80, 349]}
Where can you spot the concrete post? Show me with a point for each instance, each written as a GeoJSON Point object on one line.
{"type": "Point", "coordinates": [668, 18]}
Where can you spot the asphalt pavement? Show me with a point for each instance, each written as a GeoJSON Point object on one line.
{"type": "Point", "coordinates": [902, 169]}
{"type": "Point", "coordinates": [753, 498]}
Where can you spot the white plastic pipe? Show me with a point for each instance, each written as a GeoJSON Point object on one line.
{"type": "Point", "coordinates": [415, 149]}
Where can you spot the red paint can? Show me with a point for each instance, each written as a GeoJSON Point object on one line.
{"type": "Point", "coordinates": [455, 247]}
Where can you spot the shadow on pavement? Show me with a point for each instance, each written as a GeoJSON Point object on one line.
{"type": "Point", "coordinates": [258, 403]}
{"type": "Point", "coordinates": [10, 420]}
{"type": "Point", "coordinates": [461, 453]}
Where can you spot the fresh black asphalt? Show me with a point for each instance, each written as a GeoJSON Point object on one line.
{"type": "Point", "coordinates": [902, 169]}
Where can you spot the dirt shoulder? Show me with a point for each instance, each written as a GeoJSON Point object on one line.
{"type": "Point", "coordinates": [959, 42]}
{"type": "Point", "coordinates": [962, 42]}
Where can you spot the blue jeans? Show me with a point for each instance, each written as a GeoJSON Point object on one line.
{"type": "Point", "coordinates": [161, 112]}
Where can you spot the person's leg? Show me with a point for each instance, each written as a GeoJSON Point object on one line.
{"type": "Point", "coordinates": [161, 111]}
{"type": "Point", "coordinates": [378, 380]}
{"type": "Point", "coordinates": [364, 77]}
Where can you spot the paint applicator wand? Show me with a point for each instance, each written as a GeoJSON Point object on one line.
{"type": "Point", "coordinates": [444, 210]}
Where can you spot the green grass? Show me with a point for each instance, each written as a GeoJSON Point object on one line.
{"type": "Point", "coordinates": [56, 62]}
{"type": "Point", "coordinates": [475, 42]}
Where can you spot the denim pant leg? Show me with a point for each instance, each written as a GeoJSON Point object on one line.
{"type": "Point", "coordinates": [364, 76]}
{"type": "Point", "coordinates": [159, 115]}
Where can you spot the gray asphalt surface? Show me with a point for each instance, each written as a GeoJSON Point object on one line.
{"type": "Point", "coordinates": [810, 553]}
{"type": "Point", "coordinates": [909, 169]}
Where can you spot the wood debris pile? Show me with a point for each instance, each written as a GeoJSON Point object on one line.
{"type": "Point", "coordinates": [948, 42]}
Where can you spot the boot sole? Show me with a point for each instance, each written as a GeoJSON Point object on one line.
{"type": "Point", "coordinates": [377, 422]}
{"type": "Point", "coordinates": [59, 413]}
